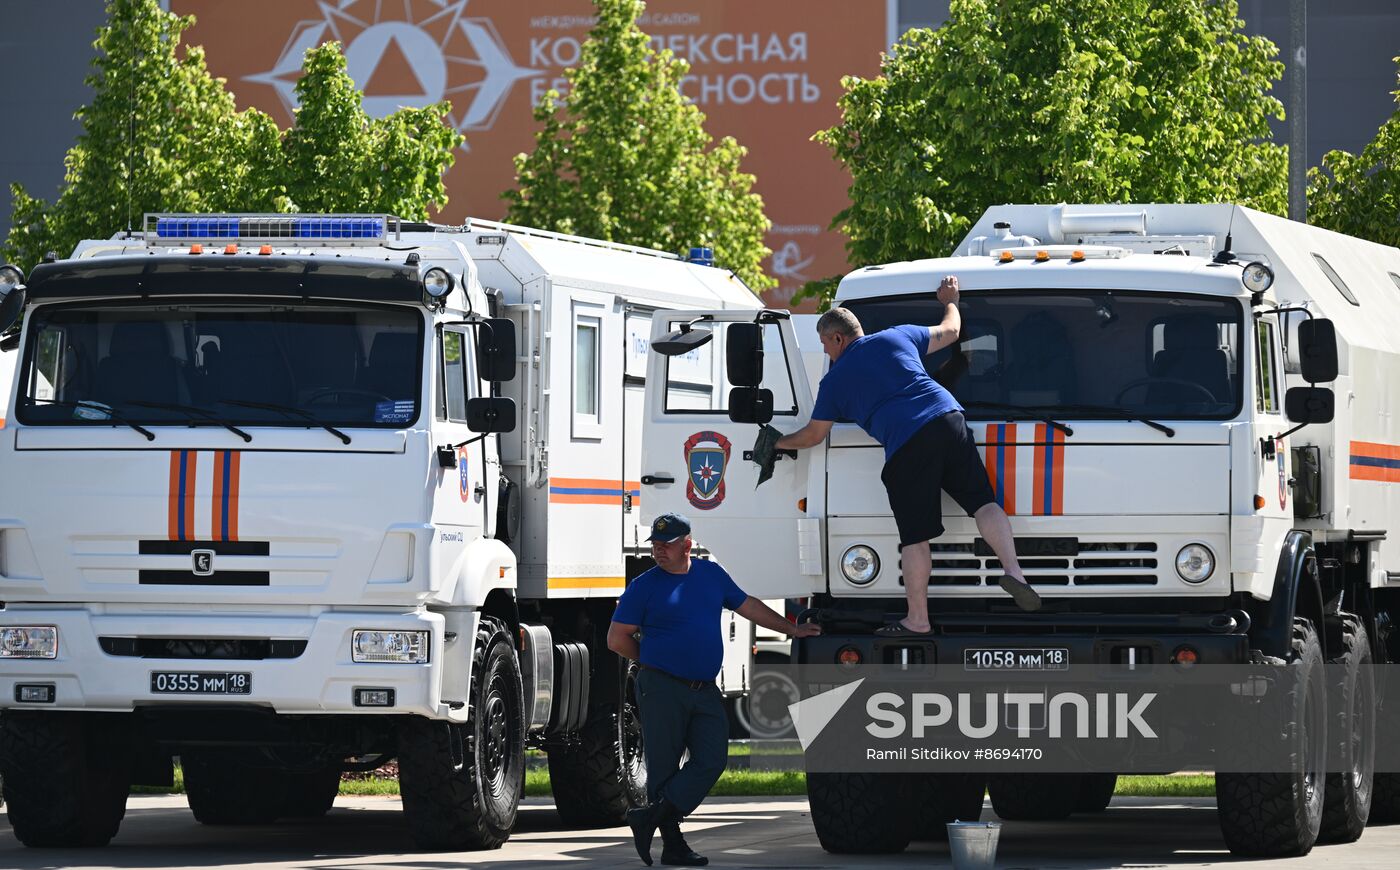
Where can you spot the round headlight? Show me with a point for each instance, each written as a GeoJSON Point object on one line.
{"type": "Point", "coordinates": [1195, 563]}
{"type": "Point", "coordinates": [1257, 277]}
{"type": "Point", "coordinates": [437, 283]}
{"type": "Point", "coordinates": [10, 278]}
{"type": "Point", "coordinates": [860, 565]}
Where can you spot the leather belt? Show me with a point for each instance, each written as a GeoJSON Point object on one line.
{"type": "Point", "coordinates": [693, 685]}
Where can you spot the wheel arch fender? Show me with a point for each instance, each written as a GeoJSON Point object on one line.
{"type": "Point", "coordinates": [1297, 591]}
{"type": "Point", "coordinates": [486, 570]}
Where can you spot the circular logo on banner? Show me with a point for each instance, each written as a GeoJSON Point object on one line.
{"type": "Point", "coordinates": [464, 479]}
{"type": "Point", "coordinates": [706, 455]}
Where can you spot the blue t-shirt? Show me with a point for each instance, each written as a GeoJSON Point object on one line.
{"type": "Point", "coordinates": [679, 617]}
{"type": "Point", "coordinates": [880, 383]}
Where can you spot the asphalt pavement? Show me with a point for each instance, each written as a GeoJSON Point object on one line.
{"type": "Point", "coordinates": [740, 833]}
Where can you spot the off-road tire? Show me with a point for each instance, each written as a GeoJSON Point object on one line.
{"type": "Point", "coordinates": [1095, 792]}
{"type": "Point", "coordinates": [1351, 708]}
{"type": "Point", "coordinates": [771, 673]}
{"type": "Point", "coordinates": [1033, 797]}
{"type": "Point", "coordinates": [222, 788]}
{"type": "Point", "coordinates": [940, 798]}
{"type": "Point", "coordinates": [1279, 814]}
{"type": "Point", "coordinates": [598, 779]}
{"type": "Point", "coordinates": [66, 777]}
{"type": "Point", "coordinates": [461, 784]}
{"type": "Point", "coordinates": [861, 813]}
{"type": "Point", "coordinates": [309, 794]}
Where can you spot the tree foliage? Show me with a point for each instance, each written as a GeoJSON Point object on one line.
{"type": "Point", "coordinates": [162, 134]}
{"type": "Point", "coordinates": [1359, 194]}
{"type": "Point", "coordinates": [1044, 101]}
{"type": "Point", "coordinates": [625, 157]}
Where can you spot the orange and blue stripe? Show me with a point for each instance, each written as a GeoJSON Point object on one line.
{"type": "Point", "coordinates": [1372, 461]}
{"type": "Point", "coordinates": [225, 518]}
{"type": "Point", "coordinates": [183, 466]}
{"type": "Point", "coordinates": [1048, 472]}
{"type": "Point", "coordinates": [587, 490]}
{"type": "Point", "coordinates": [1001, 463]}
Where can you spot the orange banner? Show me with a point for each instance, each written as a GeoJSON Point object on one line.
{"type": "Point", "coordinates": [767, 73]}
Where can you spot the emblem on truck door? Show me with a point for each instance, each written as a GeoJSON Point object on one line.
{"type": "Point", "coordinates": [706, 455]}
{"type": "Point", "coordinates": [203, 562]}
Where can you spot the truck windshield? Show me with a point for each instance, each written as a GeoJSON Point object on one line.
{"type": "Point", "coordinates": [220, 364]}
{"type": "Point", "coordinates": [1150, 354]}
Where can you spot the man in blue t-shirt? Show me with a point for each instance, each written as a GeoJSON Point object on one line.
{"type": "Point", "coordinates": [676, 606]}
{"type": "Point", "coordinates": [879, 381]}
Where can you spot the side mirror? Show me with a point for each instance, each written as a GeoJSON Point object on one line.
{"type": "Point", "coordinates": [751, 405]}
{"type": "Point", "coordinates": [1309, 405]}
{"type": "Point", "coordinates": [491, 415]}
{"type": "Point", "coordinates": [1317, 351]}
{"type": "Point", "coordinates": [12, 295]}
{"type": "Point", "coordinates": [744, 354]}
{"type": "Point", "coordinates": [682, 341]}
{"type": "Point", "coordinates": [495, 352]}
{"type": "Point", "coordinates": [10, 342]}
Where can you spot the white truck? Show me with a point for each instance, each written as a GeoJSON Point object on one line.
{"type": "Point", "coordinates": [1226, 494]}
{"type": "Point", "coordinates": [292, 495]}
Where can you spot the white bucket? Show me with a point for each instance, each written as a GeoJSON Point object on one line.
{"type": "Point", "coordinates": [973, 845]}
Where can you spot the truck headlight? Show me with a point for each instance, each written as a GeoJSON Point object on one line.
{"type": "Point", "coordinates": [408, 647]}
{"type": "Point", "coordinates": [437, 283]}
{"type": "Point", "coordinates": [860, 565]}
{"type": "Point", "coordinates": [1195, 563]}
{"type": "Point", "coordinates": [29, 642]}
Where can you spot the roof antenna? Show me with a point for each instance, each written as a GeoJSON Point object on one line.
{"type": "Point", "coordinates": [1227, 255]}
{"type": "Point", "coordinates": [130, 134]}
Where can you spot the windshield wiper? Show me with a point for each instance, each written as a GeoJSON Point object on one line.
{"type": "Point", "coordinates": [1120, 414]}
{"type": "Point", "coordinates": [1035, 411]}
{"type": "Point", "coordinates": [290, 412]}
{"type": "Point", "coordinates": [98, 406]}
{"type": "Point", "coordinates": [198, 412]}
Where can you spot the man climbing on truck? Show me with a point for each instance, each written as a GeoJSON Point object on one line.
{"type": "Point", "coordinates": [879, 381]}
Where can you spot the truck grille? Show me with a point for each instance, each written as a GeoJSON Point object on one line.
{"type": "Point", "coordinates": [246, 649]}
{"type": "Point", "coordinates": [1098, 563]}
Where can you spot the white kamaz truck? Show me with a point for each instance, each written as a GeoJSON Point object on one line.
{"type": "Point", "coordinates": [1188, 412]}
{"type": "Point", "coordinates": [292, 495]}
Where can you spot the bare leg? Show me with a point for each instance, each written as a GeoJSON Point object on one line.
{"type": "Point", "coordinates": [917, 562]}
{"type": "Point", "coordinates": [995, 529]}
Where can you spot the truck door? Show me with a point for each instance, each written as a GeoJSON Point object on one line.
{"type": "Point", "coordinates": [695, 458]}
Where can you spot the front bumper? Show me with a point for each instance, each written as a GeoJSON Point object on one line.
{"type": "Point", "coordinates": [1108, 643]}
{"type": "Point", "coordinates": [321, 679]}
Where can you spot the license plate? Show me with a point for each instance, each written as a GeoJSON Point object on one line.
{"type": "Point", "coordinates": [1005, 659]}
{"type": "Point", "coordinates": [194, 683]}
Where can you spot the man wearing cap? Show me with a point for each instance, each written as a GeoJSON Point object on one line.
{"type": "Point", "coordinates": [880, 382]}
{"type": "Point", "coordinates": [676, 607]}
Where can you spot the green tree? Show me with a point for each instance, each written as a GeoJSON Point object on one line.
{"type": "Point", "coordinates": [625, 157]}
{"type": "Point", "coordinates": [162, 134]}
{"type": "Point", "coordinates": [1044, 101]}
{"type": "Point", "coordinates": [1359, 194]}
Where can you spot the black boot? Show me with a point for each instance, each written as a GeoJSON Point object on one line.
{"type": "Point", "coordinates": [674, 849]}
{"type": "Point", "coordinates": [644, 820]}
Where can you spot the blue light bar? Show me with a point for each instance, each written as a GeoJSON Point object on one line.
{"type": "Point", "coordinates": [267, 227]}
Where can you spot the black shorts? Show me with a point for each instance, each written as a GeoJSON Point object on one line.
{"type": "Point", "coordinates": [941, 456]}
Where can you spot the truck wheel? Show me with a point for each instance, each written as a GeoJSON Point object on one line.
{"type": "Point", "coordinates": [861, 813]}
{"type": "Point", "coordinates": [598, 779]}
{"type": "Point", "coordinates": [222, 789]}
{"type": "Point", "coordinates": [1352, 708]}
{"type": "Point", "coordinates": [461, 784]}
{"type": "Point", "coordinates": [309, 794]}
{"type": "Point", "coordinates": [1033, 797]}
{"type": "Point", "coordinates": [940, 798]}
{"type": "Point", "coordinates": [1095, 792]}
{"type": "Point", "coordinates": [65, 777]}
{"type": "Point", "coordinates": [764, 715]}
{"type": "Point", "coordinates": [1279, 814]}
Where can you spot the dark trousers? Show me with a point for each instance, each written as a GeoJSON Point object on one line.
{"type": "Point", "coordinates": [677, 718]}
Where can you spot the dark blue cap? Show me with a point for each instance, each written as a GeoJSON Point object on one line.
{"type": "Point", "coordinates": [669, 527]}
